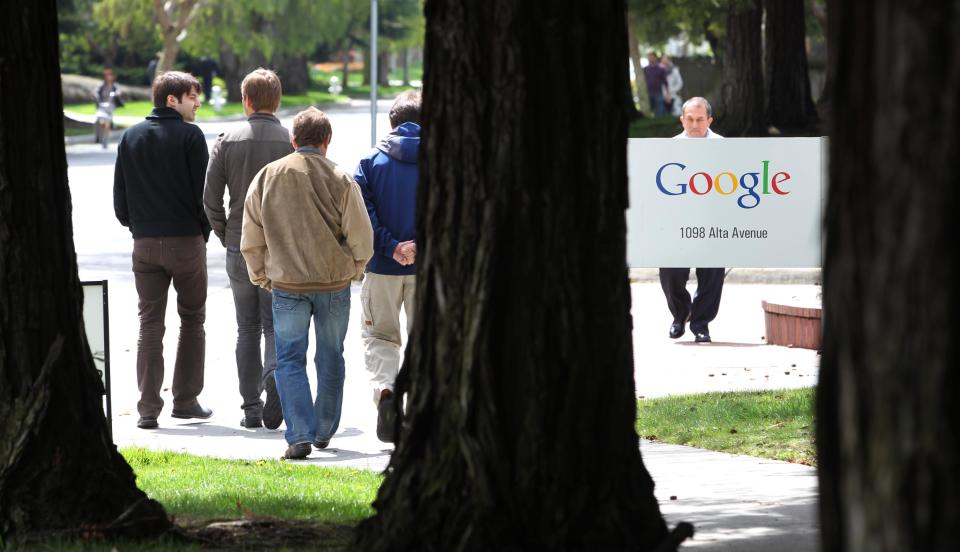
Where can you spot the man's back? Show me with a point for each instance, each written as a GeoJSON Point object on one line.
{"type": "Point", "coordinates": [159, 177]}
{"type": "Point", "coordinates": [316, 238]}
{"type": "Point", "coordinates": [236, 158]}
{"type": "Point", "coordinates": [388, 180]}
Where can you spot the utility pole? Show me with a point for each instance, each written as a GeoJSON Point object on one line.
{"type": "Point", "coordinates": [373, 72]}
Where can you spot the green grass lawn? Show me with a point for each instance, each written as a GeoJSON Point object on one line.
{"type": "Point", "coordinates": [196, 487]}
{"type": "Point", "coordinates": [143, 108]}
{"type": "Point", "coordinates": [768, 424]}
{"type": "Point", "coordinates": [312, 507]}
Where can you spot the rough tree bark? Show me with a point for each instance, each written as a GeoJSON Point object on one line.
{"type": "Point", "coordinates": [741, 107]}
{"type": "Point", "coordinates": [789, 98]}
{"type": "Point", "coordinates": [888, 418]}
{"type": "Point", "coordinates": [59, 470]}
{"type": "Point", "coordinates": [522, 340]}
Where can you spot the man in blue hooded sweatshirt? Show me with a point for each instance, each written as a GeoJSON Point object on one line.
{"type": "Point", "coordinates": [388, 180]}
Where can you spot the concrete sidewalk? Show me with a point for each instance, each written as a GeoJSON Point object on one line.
{"type": "Point", "coordinates": [736, 503]}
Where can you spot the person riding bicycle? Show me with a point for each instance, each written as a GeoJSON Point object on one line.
{"type": "Point", "coordinates": [108, 99]}
{"type": "Point", "coordinates": [108, 91]}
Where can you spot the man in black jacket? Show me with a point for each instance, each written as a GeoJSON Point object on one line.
{"type": "Point", "coordinates": [157, 193]}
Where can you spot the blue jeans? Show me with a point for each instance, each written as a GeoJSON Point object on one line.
{"type": "Point", "coordinates": [658, 106]}
{"type": "Point", "coordinates": [307, 419]}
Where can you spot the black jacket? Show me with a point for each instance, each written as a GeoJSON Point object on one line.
{"type": "Point", "coordinates": [158, 179]}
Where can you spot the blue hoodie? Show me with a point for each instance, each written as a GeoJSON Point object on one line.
{"type": "Point", "coordinates": [388, 180]}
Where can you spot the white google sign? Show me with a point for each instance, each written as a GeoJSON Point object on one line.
{"type": "Point", "coordinates": [738, 202]}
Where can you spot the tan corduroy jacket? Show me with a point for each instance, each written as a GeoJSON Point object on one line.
{"type": "Point", "coordinates": [305, 226]}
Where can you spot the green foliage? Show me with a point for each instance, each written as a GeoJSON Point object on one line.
{"type": "Point", "coordinates": [769, 424]}
{"type": "Point", "coordinates": [199, 487]}
{"type": "Point", "coordinates": [659, 20]}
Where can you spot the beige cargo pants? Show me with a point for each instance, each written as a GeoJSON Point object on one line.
{"type": "Point", "coordinates": [381, 298]}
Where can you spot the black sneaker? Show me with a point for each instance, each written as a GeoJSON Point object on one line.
{"type": "Point", "coordinates": [386, 418]}
{"type": "Point", "coordinates": [298, 451]}
{"type": "Point", "coordinates": [250, 422]}
{"type": "Point", "coordinates": [272, 411]}
{"type": "Point", "coordinates": [147, 422]}
{"type": "Point", "coordinates": [320, 445]}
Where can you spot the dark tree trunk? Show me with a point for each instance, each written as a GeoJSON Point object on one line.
{"type": "Point", "coordinates": [639, 83]}
{"type": "Point", "coordinates": [383, 68]}
{"type": "Point", "coordinates": [789, 99]}
{"type": "Point", "coordinates": [405, 54]}
{"type": "Point", "coordinates": [740, 111]}
{"type": "Point", "coordinates": [59, 470]}
{"type": "Point", "coordinates": [234, 69]}
{"type": "Point", "coordinates": [294, 73]}
{"type": "Point", "coordinates": [888, 418]}
{"type": "Point", "coordinates": [522, 339]}
{"type": "Point", "coordinates": [345, 71]}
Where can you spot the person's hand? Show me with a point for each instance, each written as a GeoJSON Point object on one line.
{"type": "Point", "coordinates": [405, 253]}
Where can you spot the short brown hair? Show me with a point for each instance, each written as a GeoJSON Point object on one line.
{"type": "Point", "coordinates": [406, 108]}
{"type": "Point", "coordinates": [263, 88]}
{"type": "Point", "coordinates": [175, 83]}
{"type": "Point", "coordinates": [311, 127]}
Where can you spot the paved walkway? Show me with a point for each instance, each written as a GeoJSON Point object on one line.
{"type": "Point", "coordinates": [736, 503]}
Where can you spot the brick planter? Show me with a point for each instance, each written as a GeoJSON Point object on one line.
{"type": "Point", "coordinates": [792, 326]}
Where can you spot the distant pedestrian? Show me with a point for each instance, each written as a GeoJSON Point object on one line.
{"type": "Point", "coordinates": [388, 180]}
{"type": "Point", "coordinates": [157, 193]}
{"type": "Point", "coordinates": [207, 68]}
{"type": "Point", "coordinates": [306, 235]}
{"type": "Point", "coordinates": [672, 99]}
{"type": "Point", "coordinates": [656, 78]}
{"type": "Point", "coordinates": [235, 159]}
{"type": "Point", "coordinates": [152, 69]}
{"type": "Point", "coordinates": [696, 120]}
{"type": "Point", "coordinates": [108, 91]}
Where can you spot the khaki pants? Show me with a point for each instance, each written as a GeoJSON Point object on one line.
{"type": "Point", "coordinates": [381, 298]}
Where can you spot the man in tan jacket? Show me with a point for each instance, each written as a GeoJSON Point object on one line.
{"type": "Point", "coordinates": [306, 235]}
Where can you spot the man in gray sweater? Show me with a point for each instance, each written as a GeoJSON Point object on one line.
{"type": "Point", "coordinates": [236, 158]}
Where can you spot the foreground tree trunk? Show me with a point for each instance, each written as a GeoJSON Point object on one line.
{"type": "Point", "coordinates": [741, 107]}
{"type": "Point", "coordinates": [888, 414]}
{"type": "Point", "coordinates": [59, 470]}
{"type": "Point", "coordinates": [789, 99]}
{"type": "Point", "coordinates": [519, 375]}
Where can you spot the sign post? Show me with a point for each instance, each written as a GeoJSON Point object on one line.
{"type": "Point", "coordinates": [96, 323]}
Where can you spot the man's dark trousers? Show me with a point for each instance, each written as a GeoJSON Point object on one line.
{"type": "Point", "coordinates": [706, 302]}
{"type": "Point", "coordinates": [254, 318]}
{"type": "Point", "coordinates": [157, 261]}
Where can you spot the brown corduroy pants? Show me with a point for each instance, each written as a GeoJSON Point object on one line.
{"type": "Point", "coordinates": [157, 262]}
